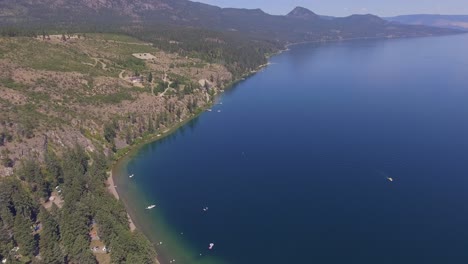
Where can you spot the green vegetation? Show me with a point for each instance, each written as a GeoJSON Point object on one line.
{"type": "Point", "coordinates": [113, 37]}
{"type": "Point", "coordinates": [74, 57]}
{"type": "Point", "coordinates": [46, 56]}
{"type": "Point", "coordinates": [237, 38]}
{"type": "Point", "coordinates": [9, 83]}
{"type": "Point", "coordinates": [70, 86]}
{"type": "Point", "coordinates": [114, 98]}
{"type": "Point", "coordinates": [73, 95]}
{"type": "Point", "coordinates": [133, 64]}
{"type": "Point", "coordinates": [238, 54]}
{"type": "Point", "coordinates": [62, 236]}
{"type": "Point", "coordinates": [80, 90]}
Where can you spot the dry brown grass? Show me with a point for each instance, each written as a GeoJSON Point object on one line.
{"type": "Point", "coordinates": [60, 92]}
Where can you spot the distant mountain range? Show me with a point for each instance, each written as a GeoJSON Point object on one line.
{"type": "Point", "coordinates": [299, 25]}
{"type": "Point", "coordinates": [443, 21]}
{"type": "Point", "coordinates": [240, 39]}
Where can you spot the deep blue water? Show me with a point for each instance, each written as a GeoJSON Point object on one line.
{"type": "Point", "coordinates": [294, 168]}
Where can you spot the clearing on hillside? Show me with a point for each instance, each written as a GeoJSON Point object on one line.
{"type": "Point", "coordinates": [144, 56]}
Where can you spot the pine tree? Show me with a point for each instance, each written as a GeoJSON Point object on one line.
{"type": "Point", "coordinates": [2, 138]}
{"type": "Point", "coordinates": [99, 168]}
{"type": "Point", "coordinates": [109, 133]}
{"type": "Point", "coordinates": [150, 125]}
{"type": "Point", "coordinates": [128, 136]}
{"type": "Point", "coordinates": [81, 252]}
{"type": "Point", "coordinates": [23, 236]}
{"type": "Point", "coordinates": [5, 240]}
{"type": "Point", "coordinates": [150, 77]}
{"type": "Point", "coordinates": [49, 239]}
{"type": "Point", "coordinates": [7, 218]}
{"type": "Point", "coordinates": [23, 204]}
{"type": "Point", "coordinates": [53, 167]}
{"type": "Point", "coordinates": [30, 171]}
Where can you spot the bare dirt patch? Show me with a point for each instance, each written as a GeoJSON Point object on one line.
{"type": "Point", "coordinates": [144, 56]}
{"type": "Point", "coordinates": [56, 199]}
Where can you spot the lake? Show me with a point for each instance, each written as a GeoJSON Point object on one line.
{"type": "Point", "coordinates": [351, 152]}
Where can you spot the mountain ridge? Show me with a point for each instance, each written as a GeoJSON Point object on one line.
{"type": "Point", "coordinates": [300, 24]}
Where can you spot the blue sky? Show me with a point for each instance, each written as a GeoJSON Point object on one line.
{"type": "Point", "coordinates": [347, 7]}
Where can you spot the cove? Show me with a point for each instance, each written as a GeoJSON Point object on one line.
{"type": "Point", "coordinates": [295, 167]}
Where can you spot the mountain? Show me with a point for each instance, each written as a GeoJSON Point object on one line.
{"type": "Point", "coordinates": [299, 25]}
{"type": "Point", "coordinates": [237, 38]}
{"type": "Point", "coordinates": [70, 94]}
{"type": "Point", "coordinates": [442, 21]}
{"type": "Point", "coordinates": [303, 13]}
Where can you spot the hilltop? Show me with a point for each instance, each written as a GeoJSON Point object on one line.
{"type": "Point", "coordinates": [304, 13]}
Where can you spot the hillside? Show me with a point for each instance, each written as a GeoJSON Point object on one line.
{"type": "Point", "coordinates": [237, 38]}
{"type": "Point", "coordinates": [299, 25]}
{"type": "Point", "coordinates": [66, 100]}
{"type": "Point", "coordinates": [53, 89]}
{"type": "Point", "coordinates": [443, 21]}
{"type": "Point", "coordinates": [82, 81]}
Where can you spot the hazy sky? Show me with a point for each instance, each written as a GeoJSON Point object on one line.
{"type": "Point", "coordinates": [347, 7]}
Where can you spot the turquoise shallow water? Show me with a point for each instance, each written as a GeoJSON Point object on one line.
{"type": "Point", "coordinates": [294, 168]}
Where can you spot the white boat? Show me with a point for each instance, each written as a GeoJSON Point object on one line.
{"type": "Point", "coordinates": [390, 179]}
{"type": "Point", "coordinates": [205, 209]}
{"type": "Point", "coordinates": [211, 246]}
{"type": "Point", "coordinates": [209, 110]}
{"type": "Point", "coordinates": [151, 207]}
{"type": "Point", "coordinates": [131, 176]}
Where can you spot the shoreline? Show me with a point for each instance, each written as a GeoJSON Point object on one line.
{"type": "Point", "coordinates": [335, 41]}
{"type": "Point", "coordinates": [132, 149]}
{"type": "Point", "coordinates": [112, 188]}
{"type": "Point", "coordinates": [362, 38]}
{"type": "Point", "coordinates": [128, 151]}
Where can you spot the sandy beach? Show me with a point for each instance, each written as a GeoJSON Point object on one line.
{"type": "Point", "coordinates": [111, 187]}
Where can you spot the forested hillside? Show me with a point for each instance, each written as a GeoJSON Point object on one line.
{"type": "Point", "coordinates": [60, 233]}
{"type": "Point", "coordinates": [83, 81]}
{"type": "Point", "coordinates": [240, 38]}
{"type": "Point", "coordinates": [66, 101]}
